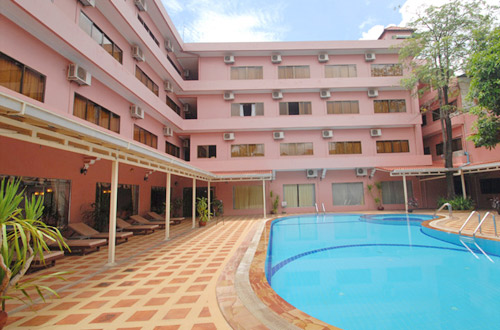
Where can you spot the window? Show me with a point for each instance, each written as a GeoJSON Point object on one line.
{"type": "Point", "coordinates": [158, 197]}
{"type": "Point", "coordinates": [424, 119]}
{"type": "Point", "coordinates": [148, 31]}
{"type": "Point", "coordinates": [436, 115]}
{"type": "Point", "coordinates": [342, 107]}
{"type": "Point", "coordinates": [127, 202]}
{"type": "Point", "coordinates": [295, 108]}
{"type": "Point", "coordinates": [393, 192]}
{"type": "Point", "coordinates": [20, 78]}
{"type": "Point", "coordinates": [393, 146]}
{"type": "Point", "coordinates": [385, 106]}
{"type": "Point", "coordinates": [439, 149]}
{"type": "Point", "coordinates": [246, 72]}
{"type": "Point", "coordinates": [296, 149]}
{"type": "Point", "coordinates": [247, 150]}
{"type": "Point", "coordinates": [171, 103]}
{"type": "Point", "coordinates": [427, 150]}
{"type": "Point", "coordinates": [247, 197]}
{"type": "Point", "coordinates": [384, 70]}
{"type": "Point", "coordinates": [209, 151]}
{"type": "Point", "coordinates": [172, 149]}
{"type": "Point", "coordinates": [340, 71]}
{"type": "Point", "coordinates": [90, 111]}
{"type": "Point", "coordinates": [342, 148]}
{"type": "Point", "coordinates": [174, 65]}
{"type": "Point", "coordinates": [456, 144]}
{"type": "Point", "coordinates": [350, 193]}
{"type": "Point", "coordinates": [139, 74]}
{"type": "Point", "coordinates": [293, 72]}
{"type": "Point", "coordinates": [247, 109]}
{"type": "Point", "coordinates": [96, 33]}
{"type": "Point", "coordinates": [490, 186]}
{"type": "Point", "coordinates": [299, 195]}
{"type": "Point", "coordinates": [146, 137]}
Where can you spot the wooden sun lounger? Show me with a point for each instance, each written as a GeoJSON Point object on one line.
{"type": "Point", "coordinates": [81, 245]}
{"type": "Point", "coordinates": [143, 221]}
{"type": "Point", "coordinates": [49, 257]}
{"type": "Point", "coordinates": [140, 229]}
{"type": "Point", "coordinates": [82, 229]}
{"type": "Point", "coordinates": [155, 216]}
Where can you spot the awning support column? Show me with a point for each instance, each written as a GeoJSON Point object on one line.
{"type": "Point", "coordinates": [208, 202]}
{"type": "Point", "coordinates": [167, 207]}
{"type": "Point", "coordinates": [264, 196]}
{"type": "Point", "coordinates": [464, 193]}
{"type": "Point", "coordinates": [194, 203]}
{"type": "Point", "coordinates": [406, 193]}
{"type": "Point", "coordinates": [112, 212]}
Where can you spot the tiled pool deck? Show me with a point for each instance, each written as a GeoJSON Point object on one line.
{"type": "Point", "coordinates": [200, 279]}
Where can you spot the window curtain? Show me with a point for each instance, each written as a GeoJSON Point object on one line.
{"type": "Point", "coordinates": [348, 193]}
{"type": "Point", "coordinates": [33, 85]}
{"type": "Point", "coordinates": [10, 74]}
{"type": "Point", "coordinates": [247, 197]}
{"type": "Point", "coordinates": [290, 195]}
{"type": "Point", "coordinates": [393, 193]}
{"type": "Point", "coordinates": [306, 195]}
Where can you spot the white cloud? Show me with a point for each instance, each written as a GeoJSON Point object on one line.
{"type": "Point", "coordinates": [366, 22]}
{"type": "Point", "coordinates": [172, 6]}
{"type": "Point", "coordinates": [373, 33]}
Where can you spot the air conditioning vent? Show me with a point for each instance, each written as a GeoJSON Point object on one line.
{"type": "Point", "coordinates": [137, 53]}
{"type": "Point", "coordinates": [228, 96]}
{"type": "Point", "coordinates": [327, 134]}
{"type": "Point", "coordinates": [136, 112]}
{"type": "Point", "coordinates": [276, 59]}
{"type": "Point", "coordinates": [228, 136]}
{"type": "Point", "coordinates": [277, 95]}
{"type": "Point", "coordinates": [185, 108]}
{"type": "Point", "coordinates": [229, 59]}
{"type": "Point", "coordinates": [88, 2]}
{"type": "Point", "coordinates": [312, 173]}
{"type": "Point", "coordinates": [322, 58]}
{"type": "Point", "coordinates": [78, 74]}
{"type": "Point", "coordinates": [278, 135]}
{"type": "Point", "coordinates": [169, 46]}
{"type": "Point", "coordinates": [361, 171]}
{"type": "Point", "coordinates": [325, 94]}
{"type": "Point", "coordinates": [369, 57]}
{"type": "Point", "coordinates": [372, 92]}
{"type": "Point", "coordinates": [185, 143]}
{"type": "Point", "coordinates": [187, 73]}
{"type": "Point", "coordinates": [376, 132]}
{"type": "Point", "coordinates": [168, 131]}
{"type": "Point", "coordinates": [141, 5]}
{"type": "Point", "coordinates": [167, 85]}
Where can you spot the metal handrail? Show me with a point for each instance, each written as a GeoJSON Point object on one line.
{"type": "Point", "coordinates": [323, 206]}
{"type": "Point", "coordinates": [316, 205]}
{"type": "Point", "coordinates": [468, 218]}
{"type": "Point", "coordinates": [442, 207]}
{"type": "Point", "coordinates": [481, 223]}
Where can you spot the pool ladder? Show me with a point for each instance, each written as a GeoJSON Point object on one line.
{"type": "Point", "coordinates": [442, 207]}
{"type": "Point", "coordinates": [322, 206]}
{"type": "Point", "coordinates": [472, 240]}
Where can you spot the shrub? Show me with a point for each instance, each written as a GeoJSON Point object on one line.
{"type": "Point", "coordinates": [458, 203]}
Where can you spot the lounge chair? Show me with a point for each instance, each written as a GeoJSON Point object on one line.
{"type": "Point", "coordinates": [143, 221]}
{"type": "Point", "coordinates": [49, 260]}
{"type": "Point", "coordinates": [82, 245]}
{"type": "Point", "coordinates": [140, 229]}
{"type": "Point", "coordinates": [156, 217]}
{"type": "Point", "coordinates": [82, 229]}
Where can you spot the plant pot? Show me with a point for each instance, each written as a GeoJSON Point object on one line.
{"type": "Point", "coordinates": [202, 223]}
{"type": "Point", "coordinates": [410, 211]}
{"type": "Point", "coordinates": [3, 319]}
{"type": "Point", "coordinates": [380, 208]}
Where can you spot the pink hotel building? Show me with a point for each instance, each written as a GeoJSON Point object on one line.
{"type": "Point", "coordinates": [103, 101]}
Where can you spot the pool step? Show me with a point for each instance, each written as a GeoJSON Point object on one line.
{"type": "Point", "coordinates": [471, 241]}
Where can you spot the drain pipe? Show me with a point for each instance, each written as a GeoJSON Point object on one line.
{"type": "Point", "coordinates": [462, 178]}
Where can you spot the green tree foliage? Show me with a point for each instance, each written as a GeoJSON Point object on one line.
{"type": "Point", "coordinates": [484, 70]}
{"type": "Point", "coordinates": [437, 51]}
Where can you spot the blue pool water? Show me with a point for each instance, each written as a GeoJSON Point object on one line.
{"type": "Point", "coordinates": [381, 272]}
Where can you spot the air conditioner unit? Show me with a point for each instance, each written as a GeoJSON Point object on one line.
{"type": "Point", "coordinates": [376, 132]}
{"type": "Point", "coordinates": [137, 53]}
{"type": "Point", "coordinates": [141, 4]}
{"type": "Point", "coordinates": [369, 57]}
{"type": "Point", "coordinates": [277, 95]}
{"type": "Point", "coordinates": [325, 94]}
{"type": "Point", "coordinates": [168, 131]}
{"type": "Point", "coordinates": [372, 92]}
{"type": "Point", "coordinates": [78, 74]}
{"type": "Point", "coordinates": [361, 171]}
{"type": "Point", "coordinates": [169, 46]}
{"type": "Point", "coordinates": [326, 134]}
{"type": "Point", "coordinates": [278, 135]}
{"type": "Point", "coordinates": [312, 173]}
{"type": "Point", "coordinates": [229, 59]}
{"type": "Point", "coordinates": [322, 58]}
{"type": "Point", "coordinates": [228, 96]}
{"type": "Point", "coordinates": [167, 85]}
{"type": "Point", "coordinates": [88, 2]}
{"type": "Point", "coordinates": [136, 112]}
{"type": "Point", "coordinates": [185, 108]}
{"type": "Point", "coordinates": [276, 59]}
{"type": "Point", "coordinates": [185, 143]}
{"type": "Point", "coordinates": [187, 73]}
{"type": "Point", "coordinates": [228, 136]}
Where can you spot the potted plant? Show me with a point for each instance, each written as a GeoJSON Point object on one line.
{"type": "Point", "coordinates": [412, 204]}
{"type": "Point", "coordinates": [22, 238]}
{"type": "Point", "coordinates": [202, 208]}
{"type": "Point", "coordinates": [275, 200]}
{"type": "Point", "coordinates": [495, 204]}
{"type": "Point", "coordinates": [218, 207]}
{"type": "Point", "coordinates": [175, 206]}
{"type": "Point", "coordinates": [376, 197]}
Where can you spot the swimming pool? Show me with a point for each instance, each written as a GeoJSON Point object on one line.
{"type": "Point", "coordinates": [381, 272]}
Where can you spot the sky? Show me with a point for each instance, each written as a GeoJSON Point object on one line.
{"type": "Point", "coordinates": [289, 20]}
